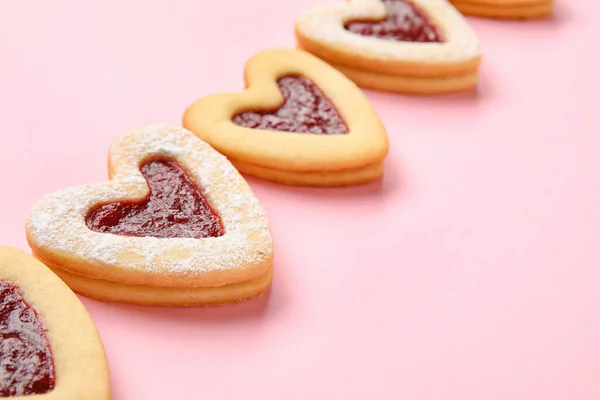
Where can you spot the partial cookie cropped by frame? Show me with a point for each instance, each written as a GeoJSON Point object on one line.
{"type": "Point", "coordinates": [280, 154]}
{"type": "Point", "coordinates": [164, 265]}
{"type": "Point", "coordinates": [505, 9]}
{"type": "Point", "coordinates": [447, 64]}
{"type": "Point", "coordinates": [78, 364]}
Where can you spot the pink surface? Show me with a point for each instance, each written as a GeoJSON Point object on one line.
{"type": "Point", "coordinates": [470, 272]}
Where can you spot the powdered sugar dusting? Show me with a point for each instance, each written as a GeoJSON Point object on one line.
{"type": "Point", "coordinates": [325, 24]}
{"type": "Point", "coordinates": [57, 222]}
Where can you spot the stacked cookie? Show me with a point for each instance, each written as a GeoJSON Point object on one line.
{"type": "Point", "coordinates": [50, 347]}
{"type": "Point", "coordinates": [299, 122]}
{"type": "Point", "coordinates": [421, 46]}
{"type": "Point", "coordinates": [175, 225]}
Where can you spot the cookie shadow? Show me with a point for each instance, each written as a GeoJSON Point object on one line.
{"type": "Point", "coordinates": [561, 16]}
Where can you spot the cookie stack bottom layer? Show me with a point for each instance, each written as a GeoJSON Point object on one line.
{"type": "Point", "coordinates": [436, 80]}
{"type": "Point", "coordinates": [409, 84]}
{"type": "Point", "coordinates": [506, 10]}
{"type": "Point", "coordinates": [345, 177]}
{"type": "Point", "coordinates": [105, 290]}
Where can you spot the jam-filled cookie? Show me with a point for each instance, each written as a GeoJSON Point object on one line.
{"type": "Point", "coordinates": [176, 225]}
{"type": "Point", "coordinates": [411, 46]}
{"type": "Point", "coordinates": [299, 122]}
{"type": "Point", "coordinates": [49, 346]}
{"type": "Point", "coordinates": [508, 9]}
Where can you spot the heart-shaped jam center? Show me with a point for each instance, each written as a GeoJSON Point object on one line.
{"type": "Point", "coordinates": [305, 110]}
{"type": "Point", "coordinates": [404, 22]}
{"type": "Point", "coordinates": [175, 207]}
{"type": "Point", "coordinates": [26, 365]}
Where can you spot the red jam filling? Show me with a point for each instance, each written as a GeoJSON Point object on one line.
{"type": "Point", "coordinates": [404, 22]}
{"type": "Point", "coordinates": [175, 208]}
{"type": "Point", "coordinates": [305, 110]}
{"type": "Point", "coordinates": [26, 365]}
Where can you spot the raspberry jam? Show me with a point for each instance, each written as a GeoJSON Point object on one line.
{"type": "Point", "coordinates": [404, 22]}
{"type": "Point", "coordinates": [26, 365]}
{"type": "Point", "coordinates": [175, 208]}
{"type": "Point", "coordinates": [305, 110]}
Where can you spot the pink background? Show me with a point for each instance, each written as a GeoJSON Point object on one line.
{"type": "Point", "coordinates": [470, 272]}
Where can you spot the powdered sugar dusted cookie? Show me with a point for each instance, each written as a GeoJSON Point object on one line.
{"type": "Point", "coordinates": [414, 46]}
{"type": "Point", "coordinates": [176, 220]}
{"type": "Point", "coordinates": [509, 9]}
{"type": "Point", "coordinates": [49, 346]}
{"type": "Point", "coordinates": [298, 122]}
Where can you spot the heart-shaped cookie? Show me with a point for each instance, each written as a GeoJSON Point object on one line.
{"type": "Point", "coordinates": [49, 346]}
{"type": "Point", "coordinates": [298, 122]}
{"type": "Point", "coordinates": [176, 225]}
{"type": "Point", "coordinates": [509, 9]}
{"type": "Point", "coordinates": [413, 46]}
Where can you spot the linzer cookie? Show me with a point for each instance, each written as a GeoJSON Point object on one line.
{"type": "Point", "coordinates": [176, 225]}
{"type": "Point", "coordinates": [411, 46]}
{"type": "Point", "coordinates": [508, 9]}
{"type": "Point", "coordinates": [49, 346]}
{"type": "Point", "coordinates": [299, 122]}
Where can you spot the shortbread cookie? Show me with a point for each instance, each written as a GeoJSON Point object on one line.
{"type": "Point", "coordinates": [299, 122]}
{"type": "Point", "coordinates": [49, 346]}
{"type": "Point", "coordinates": [412, 46]}
{"type": "Point", "coordinates": [509, 9]}
{"type": "Point", "coordinates": [176, 217]}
